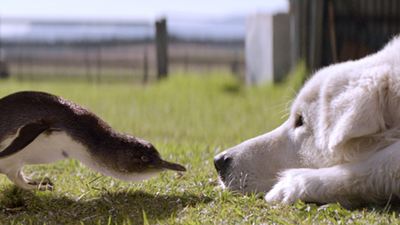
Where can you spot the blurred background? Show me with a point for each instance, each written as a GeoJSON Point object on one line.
{"type": "Point", "coordinates": [257, 41]}
{"type": "Point", "coordinates": [118, 40]}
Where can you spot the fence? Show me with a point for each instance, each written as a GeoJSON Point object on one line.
{"type": "Point", "coordinates": [130, 54]}
{"type": "Point", "coordinates": [328, 31]}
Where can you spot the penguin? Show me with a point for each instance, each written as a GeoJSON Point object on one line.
{"type": "Point", "coordinates": [38, 128]}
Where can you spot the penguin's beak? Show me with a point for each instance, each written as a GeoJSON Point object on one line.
{"type": "Point", "coordinates": [172, 166]}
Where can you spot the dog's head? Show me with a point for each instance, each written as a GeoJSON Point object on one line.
{"type": "Point", "coordinates": [341, 114]}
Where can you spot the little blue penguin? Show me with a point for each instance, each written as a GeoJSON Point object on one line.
{"type": "Point", "coordinates": [38, 127]}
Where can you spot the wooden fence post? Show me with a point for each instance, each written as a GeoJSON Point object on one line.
{"type": "Point", "coordinates": [316, 34]}
{"type": "Point", "coordinates": [20, 64]}
{"type": "Point", "coordinates": [87, 61]}
{"type": "Point", "coordinates": [186, 61]}
{"type": "Point", "coordinates": [162, 48]}
{"type": "Point", "coordinates": [145, 66]}
{"type": "Point", "coordinates": [98, 61]}
{"type": "Point", "coordinates": [235, 65]}
{"type": "Point", "coordinates": [3, 66]}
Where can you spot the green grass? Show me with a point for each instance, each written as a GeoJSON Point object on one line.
{"type": "Point", "coordinates": [189, 119]}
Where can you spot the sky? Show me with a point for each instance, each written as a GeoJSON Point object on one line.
{"type": "Point", "coordinates": [135, 9]}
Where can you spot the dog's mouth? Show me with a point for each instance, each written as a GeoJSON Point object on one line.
{"type": "Point", "coordinates": [222, 180]}
{"type": "Point", "coordinates": [238, 183]}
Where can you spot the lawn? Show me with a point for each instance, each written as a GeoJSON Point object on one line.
{"type": "Point", "coordinates": [189, 118]}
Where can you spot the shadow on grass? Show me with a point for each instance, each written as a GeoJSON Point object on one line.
{"type": "Point", "coordinates": [20, 206]}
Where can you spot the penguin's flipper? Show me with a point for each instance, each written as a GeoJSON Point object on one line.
{"type": "Point", "coordinates": [26, 135]}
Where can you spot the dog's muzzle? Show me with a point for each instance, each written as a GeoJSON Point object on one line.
{"type": "Point", "coordinates": [222, 164]}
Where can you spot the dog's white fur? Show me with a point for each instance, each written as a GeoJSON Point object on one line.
{"type": "Point", "coordinates": [348, 148]}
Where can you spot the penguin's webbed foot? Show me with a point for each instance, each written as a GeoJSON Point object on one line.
{"type": "Point", "coordinates": [19, 179]}
{"type": "Point", "coordinates": [44, 184]}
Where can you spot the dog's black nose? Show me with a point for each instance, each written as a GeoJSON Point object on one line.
{"type": "Point", "coordinates": [221, 163]}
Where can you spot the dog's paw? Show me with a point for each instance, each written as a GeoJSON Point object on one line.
{"type": "Point", "coordinates": [291, 187]}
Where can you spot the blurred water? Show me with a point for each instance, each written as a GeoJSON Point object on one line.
{"type": "Point", "coordinates": [198, 30]}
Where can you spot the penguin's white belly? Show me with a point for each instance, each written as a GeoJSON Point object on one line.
{"type": "Point", "coordinates": [46, 148]}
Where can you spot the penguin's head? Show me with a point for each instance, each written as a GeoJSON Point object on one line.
{"type": "Point", "coordinates": [139, 159]}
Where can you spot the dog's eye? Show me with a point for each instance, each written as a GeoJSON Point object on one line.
{"type": "Point", "coordinates": [299, 121]}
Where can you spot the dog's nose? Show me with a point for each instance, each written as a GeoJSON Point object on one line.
{"type": "Point", "coordinates": [221, 163]}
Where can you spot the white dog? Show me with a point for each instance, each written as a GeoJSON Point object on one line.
{"type": "Point", "coordinates": [341, 142]}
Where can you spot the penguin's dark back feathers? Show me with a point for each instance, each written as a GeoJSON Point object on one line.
{"type": "Point", "coordinates": [27, 107]}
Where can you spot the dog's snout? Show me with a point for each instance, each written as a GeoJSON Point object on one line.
{"type": "Point", "coordinates": [222, 163]}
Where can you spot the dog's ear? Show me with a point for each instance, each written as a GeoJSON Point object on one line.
{"type": "Point", "coordinates": [358, 109]}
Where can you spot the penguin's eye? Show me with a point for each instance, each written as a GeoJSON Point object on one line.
{"type": "Point", "coordinates": [144, 158]}
{"type": "Point", "coordinates": [299, 121]}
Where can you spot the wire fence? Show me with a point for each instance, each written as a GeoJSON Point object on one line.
{"type": "Point", "coordinates": [106, 52]}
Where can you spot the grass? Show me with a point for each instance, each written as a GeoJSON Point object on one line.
{"type": "Point", "coordinates": [189, 119]}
